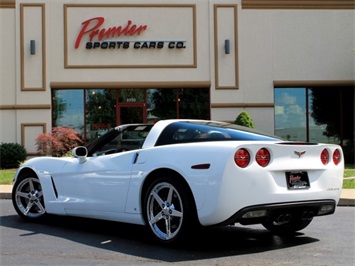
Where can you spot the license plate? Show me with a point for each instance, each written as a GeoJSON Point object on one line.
{"type": "Point", "coordinates": [297, 180]}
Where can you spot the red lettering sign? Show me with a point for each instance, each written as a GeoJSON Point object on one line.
{"type": "Point", "coordinates": [92, 28]}
{"type": "Point", "coordinates": [294, 178]}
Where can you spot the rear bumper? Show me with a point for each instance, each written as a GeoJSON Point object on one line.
{"type": "Point", "coordinates": [258, 214]}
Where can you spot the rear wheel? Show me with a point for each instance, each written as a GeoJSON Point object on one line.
{"type": "Point", "coordinates": [27, 197]}
{"type": "Point", "coordinates": [168, 210]}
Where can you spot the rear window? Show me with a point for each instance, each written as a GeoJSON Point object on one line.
{"type": "Point", "coordinates": [183, 132]}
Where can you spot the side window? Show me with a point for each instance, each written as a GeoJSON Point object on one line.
{"type": "Point", "coordinates": [131, 140]}
{"type": "Point", "coordinates": [126, 141]}
{"type": "Point", "coordinates": [109, 147]}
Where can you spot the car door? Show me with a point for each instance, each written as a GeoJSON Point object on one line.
{"type": "Point", "coordinates": [96, 186]}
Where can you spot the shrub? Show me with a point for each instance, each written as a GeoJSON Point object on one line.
{"type": "Point", "coordinates": [59, 142]}
{"type": "Point", "coordinates": [11, 155]}
{"type": "Point", "coordinates": [244, 119]}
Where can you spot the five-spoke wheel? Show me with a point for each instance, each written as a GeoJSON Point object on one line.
{"type": "Point", "coordinates": [168, 211]}
{"type": "Point", "coordinates": [27, 197]}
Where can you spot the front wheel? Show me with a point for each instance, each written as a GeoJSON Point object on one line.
{"type": "Point", "coordinates": [27, 197]}
{"type": "Point", "coordinates": [168, 210]}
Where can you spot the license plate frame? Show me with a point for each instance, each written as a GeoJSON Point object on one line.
{"type": "Point", "coordinates": [297, 180]}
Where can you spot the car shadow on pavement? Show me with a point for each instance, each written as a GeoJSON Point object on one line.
{"type": "Point", "coordinates": [203, 244]}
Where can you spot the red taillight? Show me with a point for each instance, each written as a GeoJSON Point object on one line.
{"type": "Point", "coordinates": [324, 156]}
{"type": "Point", "coordinates": [263, 157]}
{"type": "Point", "coordinates": [336, 157]}
{"type": "Point", "coordinates": [242, 158]}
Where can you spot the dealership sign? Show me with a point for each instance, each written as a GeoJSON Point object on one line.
{"type": "Point", "coordinates": [109, 38]}
{"type": "Point", "coordinates": [129, 36]}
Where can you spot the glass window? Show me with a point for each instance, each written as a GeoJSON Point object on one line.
{"type": "Point", "coordinates": [92, 112]}
{"type": "Point", "coordinates": [131, 95]}
{"type": "Point", "coordinates": [194, 103]}
{"type": "Point", "coordinates": [100, 112]}
{"type": "Point", "coordinates": [317, 128]}
{"type": "Point", "coordinates": [290, 113]}
{"type": "Point", "coordinates": [68, 109]}
{"type": "Point", "coordinates": [182, 132]}
{"type": "Point", "coordinates": [317, 114]}
{"type": "Point", "coordinates": [191, 103]}
{"type": "Point", "coordinates": [161, 104]}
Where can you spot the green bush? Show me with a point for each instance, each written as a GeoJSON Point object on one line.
{"type": "Point", "coordinates": [11, 155]}
{"type": "Point", "coordinates": [244, 119]}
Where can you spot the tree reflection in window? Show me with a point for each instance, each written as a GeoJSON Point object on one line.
{"type": "Point", "coordinates": [100, 111]}
{"type": "Point", "coordinates": [318, 114]}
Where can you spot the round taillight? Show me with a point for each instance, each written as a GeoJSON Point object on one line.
{"type": "Point", "coordinates": [263, 157]}
{"type": "Point", "coordinates": [336, 157]}
{"type": "Point", "coordinates": [324, 156]}
{"type": "Point", "coordinates": [242, 158]}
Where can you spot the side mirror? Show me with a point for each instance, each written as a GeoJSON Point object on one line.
{"type": "Point", "coordinates": [80, 152]}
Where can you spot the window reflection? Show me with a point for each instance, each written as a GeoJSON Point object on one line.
{"type": "Point", "coordinates": [317, 114]}
{"type": "Point", "coordinates": [100, 112]}
{"type": "Point", "coordinates": [68, 109]}
{"type": "Point", "coordinates": [290, 113]}
{"type": "Point", "coordinates": [316, 129]}
{"type": "Point", "coordinates": [131, 95]}
{"type": "Point", "coordinates": [162, 103]}
{"type": "Point", "coordinates": [178, 103]}
{"type": "Point", "coordinates": [92, 112]}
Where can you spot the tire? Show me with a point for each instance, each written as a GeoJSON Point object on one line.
{"type": "Point", "coordinates": [27, 197]}
{"type": "Point", "coordinates": [288, 225]}
{"type": "Point", "coordinates": [168, 211]}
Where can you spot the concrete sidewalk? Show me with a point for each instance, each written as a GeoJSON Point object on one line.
{"type": "Point", "coordinates": [347, 197]}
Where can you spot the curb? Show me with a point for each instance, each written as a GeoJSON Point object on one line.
{"type": "Point", "coordinates": [5, 195]}
{"type": "Point", "coordinates": [346, 202]}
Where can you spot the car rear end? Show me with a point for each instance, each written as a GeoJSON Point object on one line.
{"type": "Point", "coordinates": [264, 178]}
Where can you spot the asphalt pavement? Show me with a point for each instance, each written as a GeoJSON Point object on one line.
{"type": "Point", "coordinates": [347, 197]}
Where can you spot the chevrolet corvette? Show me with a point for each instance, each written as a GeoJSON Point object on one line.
{"type": "Point", "coordinates": [176, 175]}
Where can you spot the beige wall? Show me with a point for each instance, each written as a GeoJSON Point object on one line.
{"type": "Point", "coordinates": [270, 42]}
{"type": "Point", "coordinates": [287, 45]}
{"type": "Point", "coordinates": [7, 74]}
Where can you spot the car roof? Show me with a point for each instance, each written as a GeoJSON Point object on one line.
{"type": "Point", "coordinates": [155, 136]}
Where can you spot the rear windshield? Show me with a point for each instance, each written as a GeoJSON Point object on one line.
{"type": "Point", "coordinates": [182, 132]}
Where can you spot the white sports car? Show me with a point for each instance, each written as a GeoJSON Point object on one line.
{"type": "Point", "coordinates": [176, 175]}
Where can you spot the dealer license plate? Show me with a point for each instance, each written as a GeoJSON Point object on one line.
{"type": "Point", "coordinates": [297, 180]}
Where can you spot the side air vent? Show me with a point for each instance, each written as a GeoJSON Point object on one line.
{"type": "Point", "coordinates": [54, 188]}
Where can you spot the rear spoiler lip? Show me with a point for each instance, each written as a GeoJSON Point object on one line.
{"type": "Point", "coordinates": [297, 143]}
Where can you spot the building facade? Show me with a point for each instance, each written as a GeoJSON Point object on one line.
{"type": "Point", "coordinates": [93, 64]}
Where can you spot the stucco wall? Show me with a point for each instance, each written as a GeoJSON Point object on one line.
{"type": "Point", "coordinates": [287, 45]}
{"type": "Point", "coordinates": [267, 46]}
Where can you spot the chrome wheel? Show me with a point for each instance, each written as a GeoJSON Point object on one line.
{"type": "Point", "coordinates": [27, 198]}
{"type": "Point", "coordinates": [165, 211]}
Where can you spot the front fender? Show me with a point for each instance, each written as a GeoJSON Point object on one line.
{"type": "Point", "coordinates": [49, 187]}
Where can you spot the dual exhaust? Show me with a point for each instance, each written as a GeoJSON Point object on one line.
{"type": "Point", "coordinates": [285, 218]}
